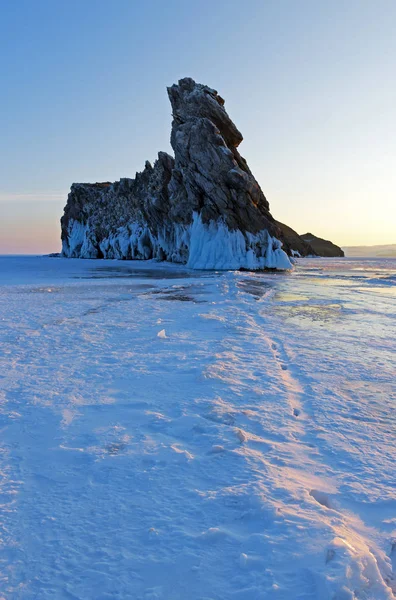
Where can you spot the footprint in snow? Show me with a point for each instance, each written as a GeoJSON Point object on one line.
{"type": "Point", "coordinates": [216, 449]}
{"type": "Point", "coordinates": [220, 417]}
{"type": "Point", "coordinates": [330, 555]}
{"type": "Point", "coordinates": [242, 437]}
{"type": "Point", "coordinates": [115, 447]}
{"type": "Point", "coordinates": [213, 535]}
{"type": "Point", "coordinates": [322, 498]}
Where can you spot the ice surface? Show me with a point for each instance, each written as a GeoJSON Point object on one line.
{"type": "Point", "coordinates": [173, 434]}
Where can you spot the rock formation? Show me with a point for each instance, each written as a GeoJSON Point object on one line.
{"type": "Point", "coordinates": [203, 208]}
{"type": "Point", "coordinates": [293, 243]}
{"type": "Point", "coordinates": [322, 247]}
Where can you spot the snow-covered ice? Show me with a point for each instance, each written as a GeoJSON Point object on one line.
{"type": "Point", "coordinates": [175, 434]}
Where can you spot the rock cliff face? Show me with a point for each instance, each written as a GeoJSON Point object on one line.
{"type": "Point", "coordinates": [294, 243]}
{"type": "Point", "coordinates": [322, 247]}
{"type": "Point", "coordinates": [203, 208]}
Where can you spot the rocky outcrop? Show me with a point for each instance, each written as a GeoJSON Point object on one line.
{"type": "Point", "coordinates": [322, 247]}
{"type": "Point", "coordinates": [293, 243]}
{"type": "Point", "coordinates": [307, 244]}
{"type": "Point", "coordinates": [203, 207]}
{"type": "Point", "coordinates": [118, 220]}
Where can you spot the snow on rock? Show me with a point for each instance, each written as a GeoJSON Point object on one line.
{"type": "Point", "coordinates": [202, 208]}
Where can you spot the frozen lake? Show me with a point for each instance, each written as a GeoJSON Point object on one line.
{"type": "Point", "coordinates": [170, 434]}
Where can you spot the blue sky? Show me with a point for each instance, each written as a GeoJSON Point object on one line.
{"type": "Point", "coordinates": [310, 84]}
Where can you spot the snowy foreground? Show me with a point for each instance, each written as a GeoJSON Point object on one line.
{"type": "Point", "coordinates": [178, 435]}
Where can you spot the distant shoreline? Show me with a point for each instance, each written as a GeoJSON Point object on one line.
{"type": "Point", "coordinates": [377, 251]}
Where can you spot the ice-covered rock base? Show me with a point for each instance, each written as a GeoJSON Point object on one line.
{"type": "Point", "coordinates": [200, 246]}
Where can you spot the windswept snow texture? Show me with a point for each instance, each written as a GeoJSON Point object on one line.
{"type": "Point", "coordinates": [174, 434]}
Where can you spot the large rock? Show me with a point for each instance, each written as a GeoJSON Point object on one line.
{"type": "Point", "coordinates": [322, 247]}
{"type": "Point", "coordinates": [293, 243]}
{"type": "Point", "coordinates": [203, 208]}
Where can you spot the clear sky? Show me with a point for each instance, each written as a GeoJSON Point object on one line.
{"type": "Point", "coordinates": [311, 85]}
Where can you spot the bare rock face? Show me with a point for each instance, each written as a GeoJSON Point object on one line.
{"type": "Point", "coordinates": [99, 218]}
{"type": "Point", "coordinates": [322, 247]}
{"type": "Point", "coordinates": [203, 208]}
{"type": "Point", "coordinates": [294, 243]}
{"type": "Point", "coordinates": [210, 177]}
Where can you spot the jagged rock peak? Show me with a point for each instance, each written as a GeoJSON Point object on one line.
{"type": "Point", "coordinates": [210, 176]}
{"type": "Point", "coordinates": [190, 99]}
{"type": "Point", "coordinates": [203, 207]}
